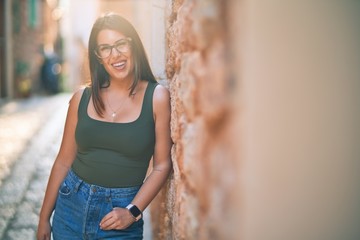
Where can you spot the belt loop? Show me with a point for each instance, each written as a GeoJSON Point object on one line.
{"type": "Point", "coordinates": [77, 185]}
{"type": "Point", "coordinates": [108, 194]}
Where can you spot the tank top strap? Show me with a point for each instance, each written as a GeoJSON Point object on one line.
{"type": "Point", "coordinates": [148, 99]}
{"type": "Point", "coordinates": [84, 101]}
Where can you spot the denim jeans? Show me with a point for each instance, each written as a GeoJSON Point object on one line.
{"type": "Point", "coordinates": [81, 206]}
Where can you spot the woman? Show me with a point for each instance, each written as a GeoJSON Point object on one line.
{"type": "Point", "coordinates": [113, 128]}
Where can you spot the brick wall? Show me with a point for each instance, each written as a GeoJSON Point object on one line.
{"type": "Point", "coordinates": [27, 46]}
{"type": "Point", "coordinates": [29, 38]}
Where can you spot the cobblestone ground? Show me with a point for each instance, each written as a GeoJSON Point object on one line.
{"type": "Point", "coordinates": [30, 136]}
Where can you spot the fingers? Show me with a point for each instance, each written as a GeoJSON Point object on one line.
{"type": "Point", "coordinates": [44, 237]}
{"type": "Point", "coordinates": [44, 232]}
{"type": "Point", "coordinates": [118, 218]}
{"type": "Point", "coordinates": [107, 222]}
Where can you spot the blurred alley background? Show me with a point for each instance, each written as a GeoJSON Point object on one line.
{"type": "Point", "coordinates": [265, 100]}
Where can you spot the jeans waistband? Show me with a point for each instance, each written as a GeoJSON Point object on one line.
{"type": "Point", "coordinates": [80, 185]}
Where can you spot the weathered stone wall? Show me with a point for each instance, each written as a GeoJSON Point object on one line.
{"type": "Point", "coordinates": [200, 198]}
{"type": "Point", "coordinates": [265, 121]}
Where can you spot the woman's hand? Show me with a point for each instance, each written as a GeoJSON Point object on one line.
{"type": "Point", "coordinates": [118, 218]}
{"type": "Point", "coordinates": [44, 230]}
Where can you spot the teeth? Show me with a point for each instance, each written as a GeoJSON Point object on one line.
{"type": "Point", "coordinates": [119, 64]}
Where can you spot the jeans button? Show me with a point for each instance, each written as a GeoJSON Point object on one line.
{"type": "Point", "coordinates": [93, 189]}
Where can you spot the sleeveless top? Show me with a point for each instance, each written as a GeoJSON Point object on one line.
{"type": "Point", "coordinates": [114, 154]}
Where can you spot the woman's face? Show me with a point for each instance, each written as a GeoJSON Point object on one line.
{"type": "Point", "coordinates": [114, 48]}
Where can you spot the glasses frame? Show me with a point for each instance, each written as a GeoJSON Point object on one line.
{"type": "Point", "coordinates": [128, 40]}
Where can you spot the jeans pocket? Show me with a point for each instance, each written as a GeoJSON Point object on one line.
{"type": "Point", "coordinates": [64, 189]}
{"type": "Point", "coordinates": [121, 197]}
{"type": "Point", "coordinates": [121, 201]}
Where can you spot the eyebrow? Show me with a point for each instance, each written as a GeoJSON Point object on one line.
{"type": "Point", "coordinates": [105, 44]}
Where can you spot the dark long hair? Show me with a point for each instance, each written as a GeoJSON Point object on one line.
{"type": "Point", "coordinates": [99, 76]}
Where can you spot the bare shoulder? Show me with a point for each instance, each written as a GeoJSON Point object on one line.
{"type": "Point", "coordinates": [75, 99]}
{"type": "Point", "coordinates": [161, 101]}
{"type": "Point", "coordinates": [161, 94]}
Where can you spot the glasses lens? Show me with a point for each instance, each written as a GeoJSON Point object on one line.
{"type": "Point", "coordinates": [122, 46]}
{"type": "Point", "coordinates": [103, 51]}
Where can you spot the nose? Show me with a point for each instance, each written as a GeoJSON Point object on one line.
{"type": "Point", "coordinates": [116, 51]}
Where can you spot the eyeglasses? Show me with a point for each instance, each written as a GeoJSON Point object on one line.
{"type": "Point", "coordinates": [105, 50]}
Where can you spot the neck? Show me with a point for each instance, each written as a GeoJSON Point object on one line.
{"type": "Point", "coordinates": [120, 86]}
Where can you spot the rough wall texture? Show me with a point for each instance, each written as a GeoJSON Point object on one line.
{"type": "Point", "coordinates": [291, 118]}
{"type": "Point", "coordinates": [198, 201]}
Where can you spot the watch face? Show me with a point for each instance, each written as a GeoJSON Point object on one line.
{"type": "Point", "coordinates": [135, 211]}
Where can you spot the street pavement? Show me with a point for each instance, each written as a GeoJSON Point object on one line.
{"type": "Point", "coordinates": [30, 137]}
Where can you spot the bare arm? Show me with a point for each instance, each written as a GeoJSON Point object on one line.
{"type": "Point", "coordinates": [60, 168]}
{"type": "Point", "coordinates": [161, 163]}
{"type": "Point", "coordinates": [162, 155]}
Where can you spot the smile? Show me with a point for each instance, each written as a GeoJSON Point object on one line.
{"type": "Point", "coordinates": [119, 65]}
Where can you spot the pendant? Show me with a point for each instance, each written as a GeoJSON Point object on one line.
{"type": "Point", "coordinates": [113, 114]}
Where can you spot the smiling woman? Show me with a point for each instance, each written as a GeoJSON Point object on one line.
{"type": "Point", "coordinates": [114, 127]}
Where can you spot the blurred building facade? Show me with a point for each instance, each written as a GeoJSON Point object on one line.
{"type": "Point", "coordinates": [29, 31]}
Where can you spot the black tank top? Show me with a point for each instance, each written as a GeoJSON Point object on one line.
{"type": "Point", "coordinates": [114, 154]}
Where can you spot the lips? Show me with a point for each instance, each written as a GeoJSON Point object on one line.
{"type": "Point", "coordinates": [119, 65]}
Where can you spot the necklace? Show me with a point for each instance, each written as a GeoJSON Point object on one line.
{"type": "Point", "coordinates": [114, 112]}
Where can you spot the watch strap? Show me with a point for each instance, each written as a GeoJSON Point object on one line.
{"type": "Point", "coordinates": [135, 211]}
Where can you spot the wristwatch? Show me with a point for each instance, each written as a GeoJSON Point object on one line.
{"type": "Point", "coordinates": [135, 211]}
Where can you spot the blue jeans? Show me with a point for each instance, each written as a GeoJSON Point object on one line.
{"type": "Point", "coordinates": [81, 206]}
